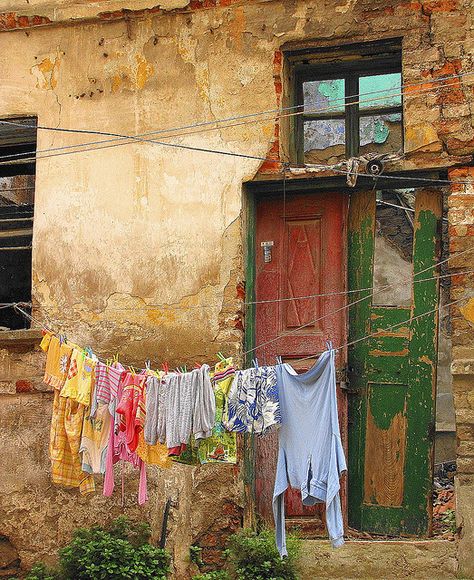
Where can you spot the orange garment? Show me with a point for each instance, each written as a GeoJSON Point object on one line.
{"type": "Point", "coordinates": [64, 443]}
{"type": "Point", "coordinates": [57, 361]}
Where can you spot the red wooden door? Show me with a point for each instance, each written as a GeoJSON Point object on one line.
{"type": "Point", "coordinates": [300, 252]}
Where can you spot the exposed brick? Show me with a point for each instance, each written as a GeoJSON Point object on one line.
{"type": "Point", "coordinates": [23, 386]}
{"type": "Point", "coordinates": [440, 6]}
{"type": "Point", "coordinates": [12, 21]}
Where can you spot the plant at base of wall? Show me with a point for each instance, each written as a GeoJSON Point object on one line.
{"type": "Point", "coordinates": [254, 556]}
{"type": "Point", "coordinates": [118, 552]}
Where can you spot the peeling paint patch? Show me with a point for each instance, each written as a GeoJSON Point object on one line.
{"type": "Point", "coordinates": [468, 311]}
{"type": "Point", "coordinates": [130, 76]}
{"type": "Point", "coordinates": [47, 71]}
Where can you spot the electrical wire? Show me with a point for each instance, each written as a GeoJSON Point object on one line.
{"type": "Point", "coordinates": [141, 139]}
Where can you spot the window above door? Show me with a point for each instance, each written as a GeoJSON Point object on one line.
{"type": "Point", "coordinates": [349, 101]}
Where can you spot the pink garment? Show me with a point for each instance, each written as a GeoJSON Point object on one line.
{"type": "Point", "coordinates": [132, 408]}
{"type": "Point", "coordinates": [118, 451]}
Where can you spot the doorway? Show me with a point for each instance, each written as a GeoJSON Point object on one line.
{"type": "Point", "coordinates": [314, 254]}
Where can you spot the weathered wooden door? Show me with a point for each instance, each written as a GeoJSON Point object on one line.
{"type": "Point", "coordinates": [300, 252]}
{"type": "Point", "coordinates": [392, 375]}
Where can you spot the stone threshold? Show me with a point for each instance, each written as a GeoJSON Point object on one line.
{"type": "Point", "coordinates": [375, 559]}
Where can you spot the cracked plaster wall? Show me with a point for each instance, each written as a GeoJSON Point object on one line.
{"type": "Point", "coordinates": [130, 241]}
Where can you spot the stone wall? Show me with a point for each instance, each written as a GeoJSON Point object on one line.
{"type": "Point", "coordinates": [461, 224]}
{"type": "Point", "coordinates": [138, 249]}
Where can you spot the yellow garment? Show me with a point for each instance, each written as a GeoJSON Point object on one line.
{"type": "Point", "coordinates": [65, 439]}
{"type": "Point", "coordinates": [222, 366]}
{"type": "Point", "coordinates": [153, 454]}
{"type": "Point", "coordinates": [57, 361]}
{"type": "Point", "coordinates": [80, 378]}
{"type": "Point", "coordinates": [95, 439]}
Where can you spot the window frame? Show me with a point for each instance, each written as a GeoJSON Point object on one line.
{"type": "Point", "coordinates": [308, 69]}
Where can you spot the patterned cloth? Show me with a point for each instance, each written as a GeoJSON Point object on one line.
{"type": "Point", "coordinates": [221, 446]}
{"type": "Point", "coordinates": [65, 439]}
{"type": "Point", "coordinates": [253, 404]}
{"type": "Point", "coordinates": [57, 361]}
{"type": "Point", "coordinates": [107, 381]}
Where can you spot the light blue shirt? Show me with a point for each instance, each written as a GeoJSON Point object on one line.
{"type": "Point", "coordinates": [310, 455]}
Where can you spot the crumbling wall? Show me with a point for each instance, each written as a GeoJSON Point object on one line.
{"type": "Point", "coordinates": [138, 247]}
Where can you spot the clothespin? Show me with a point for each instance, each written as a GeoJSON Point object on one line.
{"type": "Point", "coordinates": [255, 362]}
{"type": "Point", "coordinates": [329, 344]}
{"type": "Point", "coordinates": [220, 356]}
{"type": "Point", "coordinates": [148, 365]}
{"type": "Point", "coordinates": [279, 360]}
{"type": "Point", "coordinates": [197, 365]}
{"type": "Point", "coordinates": [133, 371]}
{"type": "Point", "coordinates": [165, 367]}
{"type": "Point", "coordinates": [116, 358]}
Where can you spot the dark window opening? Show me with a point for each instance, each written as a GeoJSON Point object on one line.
{"type": "Point", "coordinates": [17, 189]}
{"type": "Point", "coordinates": [350, 99]}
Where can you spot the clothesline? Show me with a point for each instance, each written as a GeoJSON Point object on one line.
{"type": "Point", "coordinates": [350, 304]}
{"type": "Point", "coordinates": [341, 347]}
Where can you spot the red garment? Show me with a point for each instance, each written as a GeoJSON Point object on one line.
{"type": "Point", "coordinates": [132, 408]}
{"type": "Point", "coordinates": [176, 451]}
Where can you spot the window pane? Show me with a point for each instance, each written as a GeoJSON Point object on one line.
{"type": "Point", "coordinates": [323, 95]}
{"type": "Point", "coordinates": [381, 133]}
{"type": "Point", "coordinates": [393, 255]}
{"type": "Point", "coordinates": [324, 140]}
{"type": "Point", "coordinates": [388, 89]}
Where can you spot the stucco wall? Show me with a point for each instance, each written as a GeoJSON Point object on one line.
{"type": "Point", "coordinates": [139, 248]}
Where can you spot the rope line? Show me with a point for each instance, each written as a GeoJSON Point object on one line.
{"type": "Point", "coordinates": [345, 345]}
{"type": "Point", "coordinates": [347, 306]}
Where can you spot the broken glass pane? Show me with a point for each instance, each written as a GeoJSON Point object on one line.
{"type": "Point", "coordinates": [323, 96]}
{"type": "Point", "coordinates": [381, 133]}
{"type": "Point", "coordinates": [380, 91]}
{"type": "Point", "coordinates": [393, 253]}
{"type": "Point", "coordinates": [324, 140]}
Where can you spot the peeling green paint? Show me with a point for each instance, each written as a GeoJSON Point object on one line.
{"type": "Point", "coordinates": [393, 372]}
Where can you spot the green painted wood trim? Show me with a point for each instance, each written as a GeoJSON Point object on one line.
{"type": "Point", "coordinates": [248, 471]}
{"type": "Point", "coordinates": [360, 264]}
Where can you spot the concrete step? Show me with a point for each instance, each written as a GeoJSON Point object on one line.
{"type": "Point", "coordinates": [419, 559]}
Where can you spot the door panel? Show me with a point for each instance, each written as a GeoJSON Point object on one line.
{"type": "Point", "coordinates": [305, 236]}
{"type": "Point", "coordinates": [392, 375]}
